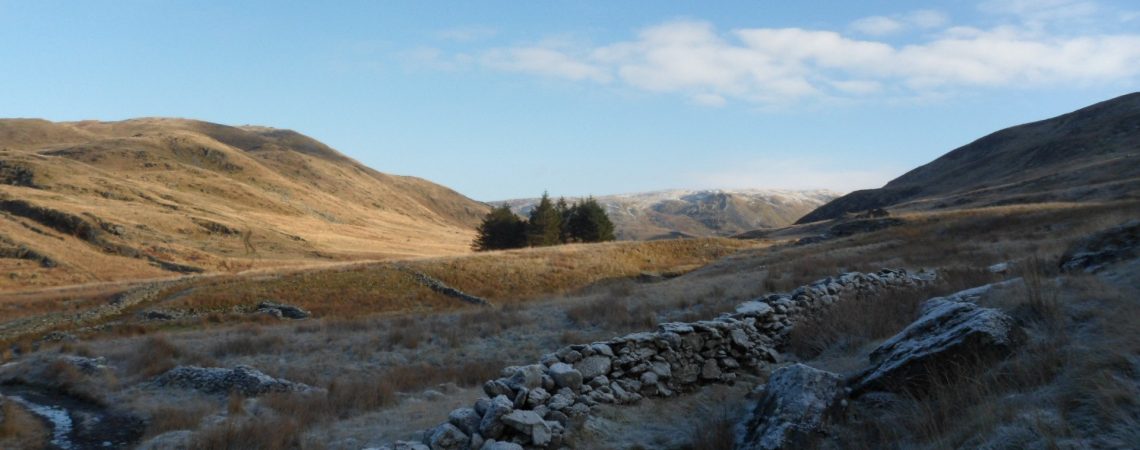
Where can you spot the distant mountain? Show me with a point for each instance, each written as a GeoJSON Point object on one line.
{"type": "Point", "coordinates": [1090, 154]}
{"type": "Point", "coordinates": [137, 198]}
{"type": "Point", "coordinates": [679, 213]}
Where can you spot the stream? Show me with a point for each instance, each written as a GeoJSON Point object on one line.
{"type": "Point", "coordinates": [76, 424]}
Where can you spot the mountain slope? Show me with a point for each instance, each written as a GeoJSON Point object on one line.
{"type": "Point", "coordinates": [1091, 153]}
{"type": "Point", "coordinates": [138, 198]}
{"type": "Point", "coordinates": [673, 213]}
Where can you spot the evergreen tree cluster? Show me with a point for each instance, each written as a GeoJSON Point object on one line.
{"type": "Point", "coordinates": [550, 223]}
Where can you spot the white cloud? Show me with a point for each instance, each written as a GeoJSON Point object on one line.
{"type": "Point", "coordinates": [883, 25]}
{"type": "Point", "coordinates": [544, 61]}
{"type": "Point", "coordinates": [877, 25]}
{"type": "Point", "coordinates": [777, 66]}
{"type": "Point", "coordinates": [1038, 11]}
{"type": "Point", "coordinates": [792, 173]}
{"type": "Point", "coordinates": [927, 18]}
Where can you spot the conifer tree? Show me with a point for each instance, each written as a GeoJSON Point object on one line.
{"type": "Point", "coordinates": [500, 229]}
{"type": "Point", "coordinates": [589, 222]}
{"type": "Point", "coordinates": [564, 212]}
{"type": "Point", "coordinates": [545, 225]}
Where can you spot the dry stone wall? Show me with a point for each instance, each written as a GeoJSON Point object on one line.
{"type": "Point", "coordinates": [535, 406]}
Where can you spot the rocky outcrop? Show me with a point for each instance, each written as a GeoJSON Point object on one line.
{"type": "Point", "coordinates": [1102, 248]}
{"type": "Point", "coordinates": [535, 405]}
{"type": "Point", "coordinates": [797, 403]}
{"type": "Point", "coordinates": [442, 288]}
{"type": "Point", "coordinates": [282, 310]}
{"type": "Point", "coordinates": [244, 380]}
{"type": "Point", "coordinates": [949, 333]}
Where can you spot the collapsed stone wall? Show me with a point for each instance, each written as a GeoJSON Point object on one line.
{"type": "Point", "coordinates": [536, 405]}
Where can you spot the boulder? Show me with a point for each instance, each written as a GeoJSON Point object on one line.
{"type": "Point", "coordinates": [530, 425]}
{"type": "Point", "coordinates": [528, 377]}
{"type": "Point", "coordinates": [447, 437]}
{"type": "Point", "coordinates": [947, 335]}
{"type": "Point", "coordinates": [283, 310]}
{"type": "Point", "coordinates": [244, 380]}
{"type": "Point", "coordinates": [565, 375]}
{"type": "Point", "coordinates": [466, 419]}
{"type": "Point", "coordinates": [796, 405]}
{"type": "Point", "coordinates": [594, 366]}
{"type": "Point", "coordinates": [1103, 248]}
{"type": "Point", "coordinates": [491, 426]}
{"type": "Point", "coordinates": [754, 308]}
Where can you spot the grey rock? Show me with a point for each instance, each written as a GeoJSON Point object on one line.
{"type": "Point", "coordinates": [594, 366]}
{"type": "Point", "coordinates": [1103, 248]}
{"type": "Point", "coordinates": [491, 426]}
{"type": "Point", "coordinates": [710, 370]}
{"type": "Point", "coordinates": [559, 402]}
{"type": "Point", "coordinates": [565, 375]}
{"type": "Point", "coordinates": [215, 380]}
{"type": "Point", "coordinates": [797, 403]}
{"type": "Point", "coordinates": [466, 419]}
{"type": "Point", "coordinates": [754, 308]}
{"type": "Point", "coordinates": [529, 424]}
{"type": "Point", "coordinates": [528, 377]}
{"type": "Point", "coordinates": [447, 437]}
{"type": "Point", "coordinates": [947, 334]}
{"type": "Point", "coordinates": [287, 311]}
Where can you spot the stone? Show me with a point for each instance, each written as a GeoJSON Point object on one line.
{"type": "Point", "coordinates": [1102, 248]}
{"type": "Point", "coordinates": [740, 338]}
{"type": "Point", "coordinates": [447, 437]}
{"type": "Point", "coordinates": [559, 402]}
{"type": "Point", "coordinates": [949, 333]}
{"type": "Point", "coordinates": [594, 366]}
{"type": "Point", "coordinates": [500, 445]}
{"type": "Point", "coordinates": [528, 377]}
{"type": "Point", "coordinates": [244, 380]}
{"type": "Point", "coordinates": [602, 349]}
{"type": "Point", "coordinates": [491, 426]}
{"type": "Point", "coordinates": [287, 311]}
{"type": "Point", "coordinates": [466, 419]}
{"type": "Point", "coordinates": [567, 376]}
{"type": "Point", "coordinates": [648, 379]}
{"type": "Point", "coordinates": [675, 327]}
{"type": "Point", "coordinates": [710, 370]}
{"type": "Point", "coordinates": [754, 308]}
{"type": "Point", "coordinates": [797, 403]}
{"type": "Point", "coordinates": [537, 396]}
{"type": "Point", "coordinates": [529, 424]}
{"type": "Point", "coordinates": [495, 388]}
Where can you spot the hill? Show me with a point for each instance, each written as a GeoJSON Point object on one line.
{"type": "Point", "coordinates": [95, 201]}
{"type": "Point", "coordinates": [705, 213]}
{"type": "Point", "coordinates": [1089, 154]}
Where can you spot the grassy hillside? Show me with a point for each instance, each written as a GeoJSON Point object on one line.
{"type": "Point", "coordinates": [101, 201]}
{"type": "Point", "coordinates": [1089, 154]}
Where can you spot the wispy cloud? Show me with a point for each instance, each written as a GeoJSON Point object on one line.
{"type": "Point", "coordinates": [467, 33]}
{"type": "Point", "coordinates": [884, 25]}
{"type": "Point", "coordinates": [772, 66]}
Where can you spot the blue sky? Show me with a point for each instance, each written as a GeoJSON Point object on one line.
{"type": "Point", "coordinates": [507, 99]}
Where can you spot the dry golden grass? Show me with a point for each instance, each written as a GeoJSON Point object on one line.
{"type": "Point", "coordinates": [19, 428]}
{"type": "Point", "coordinates": [515, 275]}
{"type": "Point", "coordinates": [502, 277]}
